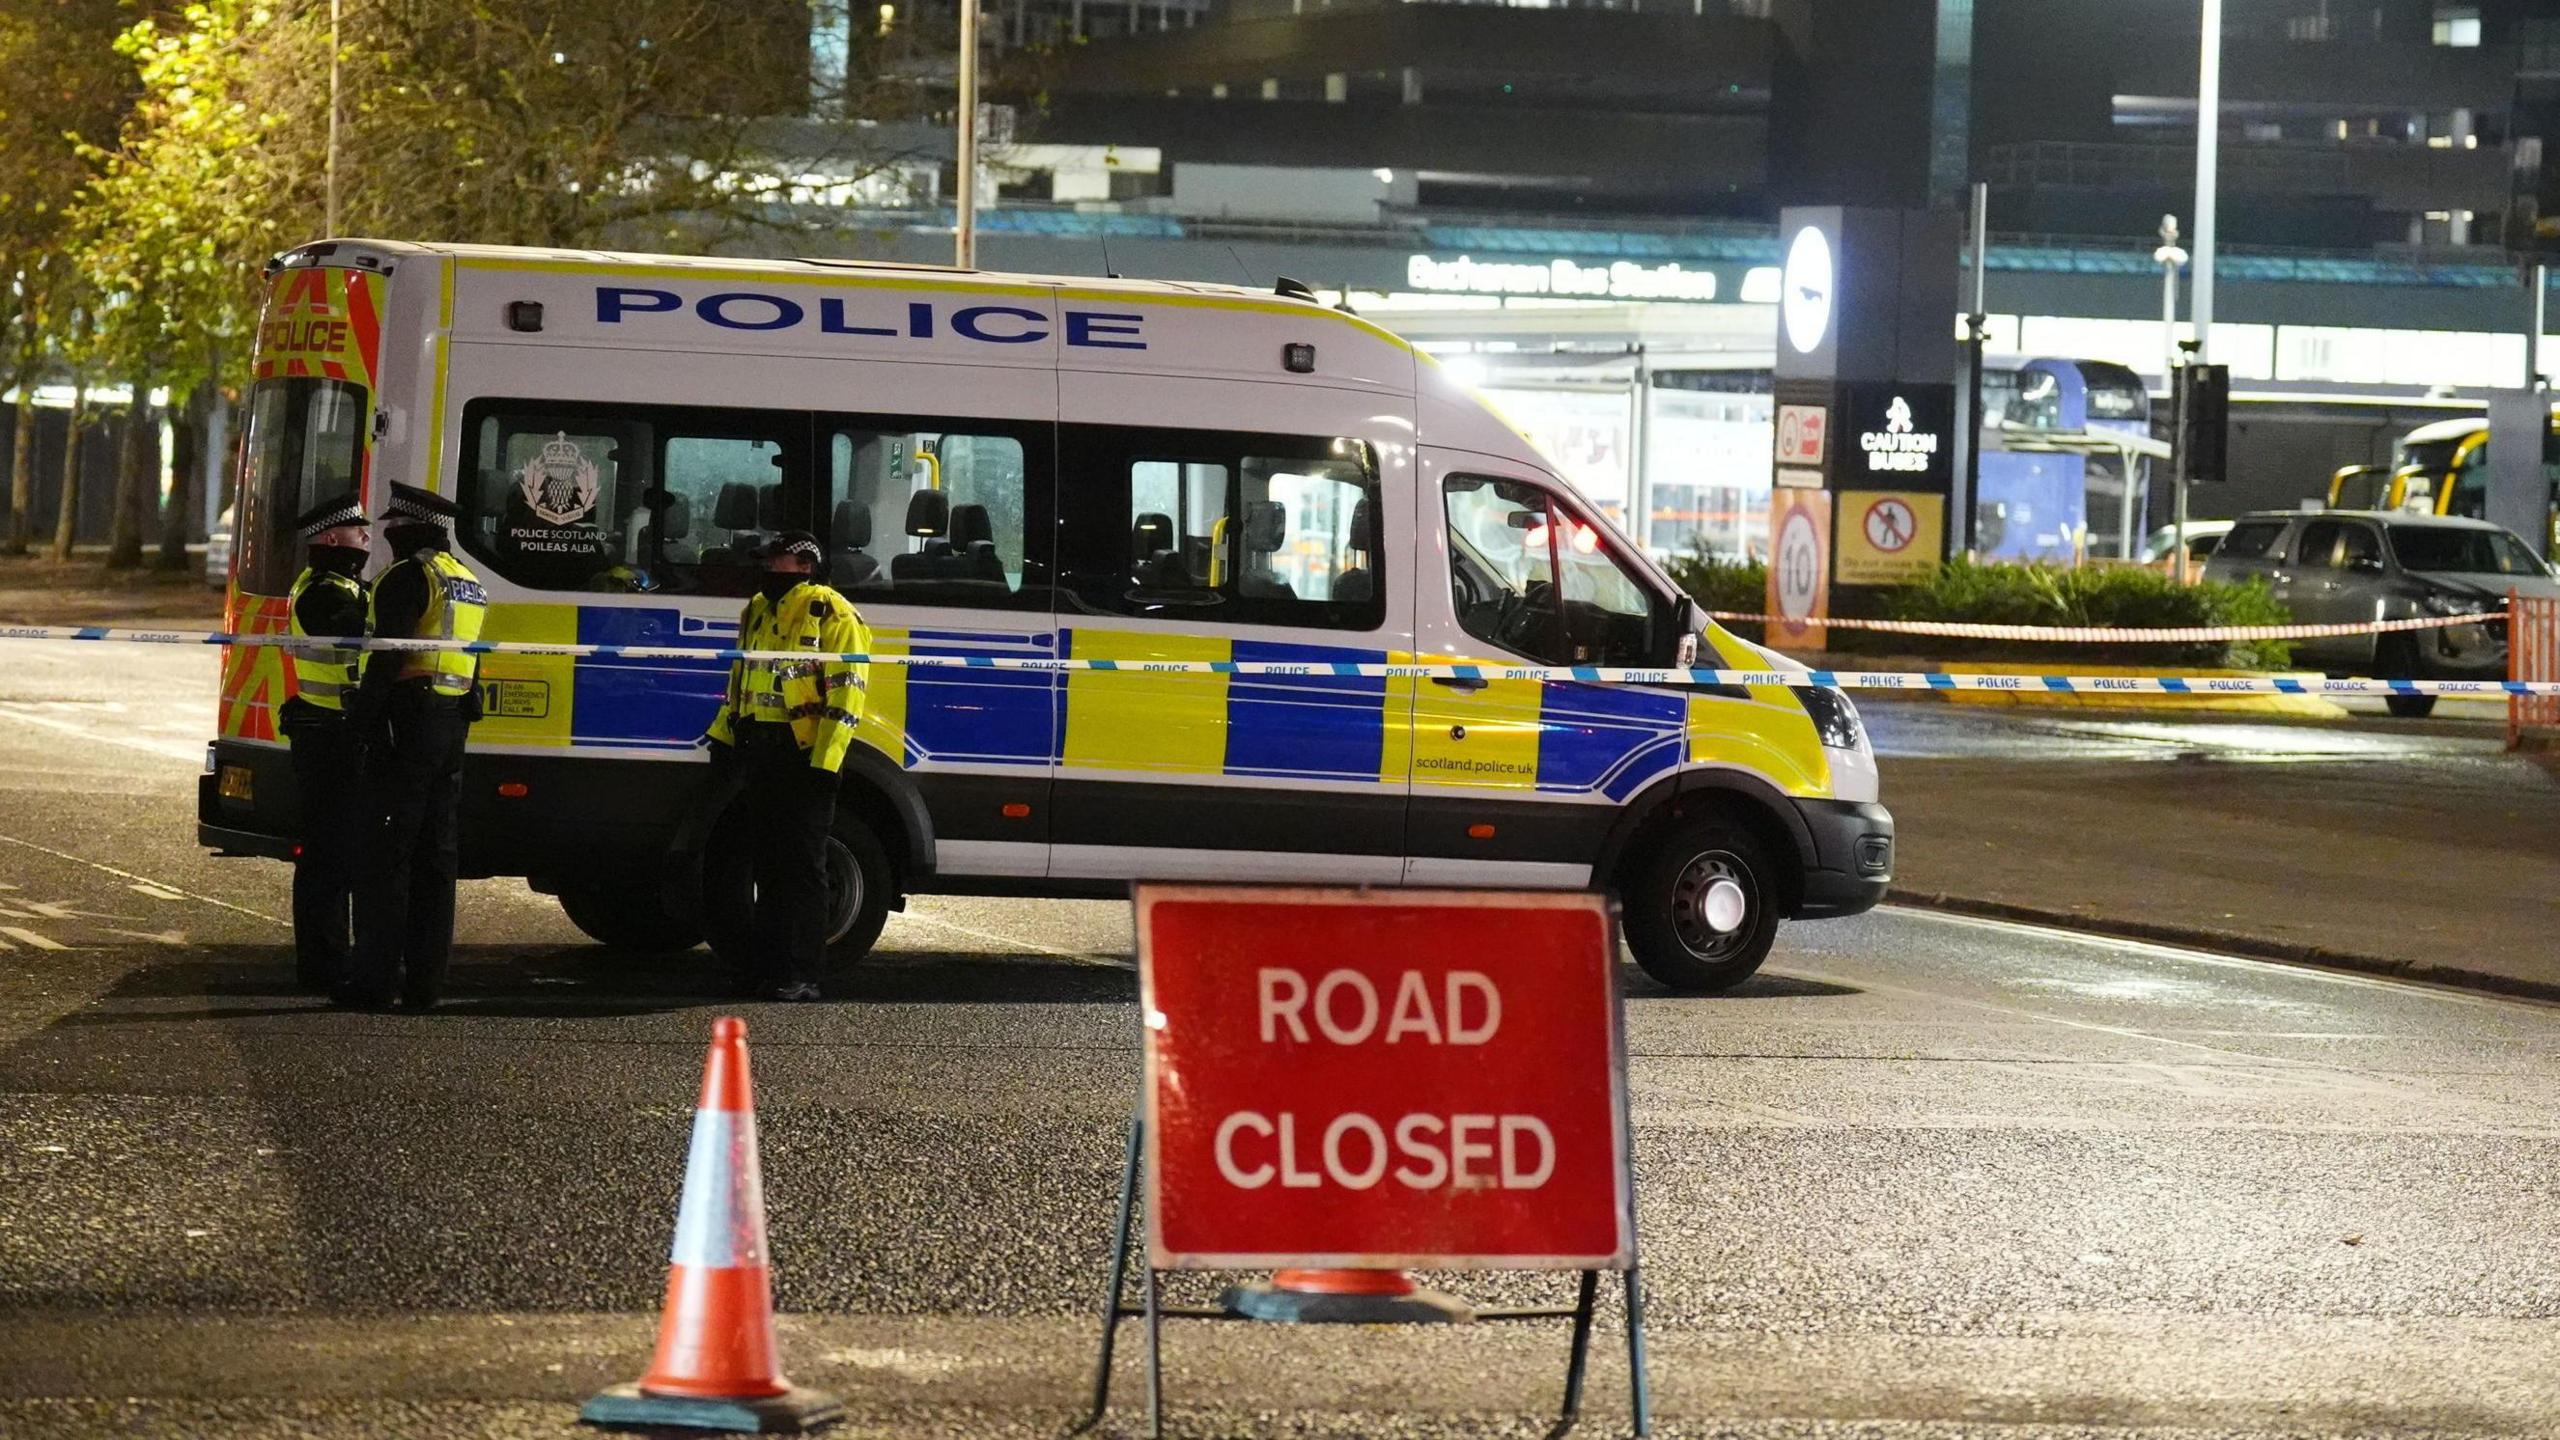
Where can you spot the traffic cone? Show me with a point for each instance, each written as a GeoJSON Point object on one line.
{"type": "Point", "coordinates": [1345, 1297]}
{"type": "Point", "coordinates": [716, 1366]}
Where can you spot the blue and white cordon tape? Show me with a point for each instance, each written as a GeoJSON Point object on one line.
{"type": "Point", "coordinates": [1587, 674]}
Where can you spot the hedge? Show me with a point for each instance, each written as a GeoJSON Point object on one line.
{"type": "Point", "coordinates": [1972, 592]}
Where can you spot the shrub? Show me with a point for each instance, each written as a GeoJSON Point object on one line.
{"type": "Point", "coordinates": [1721, 582]}
{"type": "Point", "coordinates": [2121, 596]}
{"type": "Point", "coordinates": [1998, 593]}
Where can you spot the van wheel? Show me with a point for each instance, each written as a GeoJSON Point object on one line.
{"type": "Point", "coordinates": [1702, 908]}
{"type": "Point", "coordinates": [632, 918]}
{"type": "Point", "coordinates": [861, 886]}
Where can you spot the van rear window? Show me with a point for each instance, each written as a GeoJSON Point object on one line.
{"type": "Point", "coordinates": [305, 444]}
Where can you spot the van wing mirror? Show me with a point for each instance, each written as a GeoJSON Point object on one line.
{"type": "Point", "coordinates": [1691, 618]}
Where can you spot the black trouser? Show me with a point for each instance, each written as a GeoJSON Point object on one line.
{"type": "Point", "coordinates": [788, 805]}
{"type": "Point", "coordinates": [404, 892]}
{"type": "Point", "coordinates": [328, 782]}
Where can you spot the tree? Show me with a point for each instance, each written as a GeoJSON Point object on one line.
{"type": "Point", "coordinates": [536, 122]}
{"type": "Point", "coordinates": [62, 87]}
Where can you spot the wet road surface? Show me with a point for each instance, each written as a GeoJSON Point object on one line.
{"type": "Point", "coordinates": [1924, 1177]}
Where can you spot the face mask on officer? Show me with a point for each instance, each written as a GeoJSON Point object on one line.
{"type": "Point", "coordinates": [340, 551]}
{"type": "Point", "coordinates": [408, 540]}
{"type": "Point", "coordinates": [786, 568]}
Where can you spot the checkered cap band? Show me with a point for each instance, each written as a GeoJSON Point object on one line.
{"type": "Point", "coordinates": [418, 512]}
{"type": "Point", "coordinates": [343, 515]}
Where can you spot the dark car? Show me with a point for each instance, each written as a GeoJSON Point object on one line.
{"type": "Point", "coordinates": [2353, 566]}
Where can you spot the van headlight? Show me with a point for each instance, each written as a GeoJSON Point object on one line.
{"type": "Point", "coordinates": [1835, 719]}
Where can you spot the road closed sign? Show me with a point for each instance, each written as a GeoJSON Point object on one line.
{"type": "Point", "coordinates": [1396, 1079]}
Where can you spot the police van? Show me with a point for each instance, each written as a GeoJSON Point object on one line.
{"type": "Point", "coordinates": [1046, 468]}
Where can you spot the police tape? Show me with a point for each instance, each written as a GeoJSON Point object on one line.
{"type": "Point", "coordinates": [2112, 635]}
{"type": "Point", "coordinates": [2164, 684]}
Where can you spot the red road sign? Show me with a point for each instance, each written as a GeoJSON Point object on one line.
{"type": "Point", "coordinates": [1801, 433]}
{"type": "Point", "coordinates": [1413, 1079]}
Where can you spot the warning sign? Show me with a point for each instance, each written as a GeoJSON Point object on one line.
{"type": "Point", "coordinates": [1411, 1079]}
{"type": "Point", "coordinates": [1799, 566]}
{"type": "Point", "coordinates": [1889, 537]}
{"type": "Point", "coordinates": [1800, 434]}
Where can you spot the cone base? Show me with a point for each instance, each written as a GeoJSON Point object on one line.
{"type": "Point", "coordinates": [798, 1411]}
{"type": "Point", "coordinates": [1307, 1307]}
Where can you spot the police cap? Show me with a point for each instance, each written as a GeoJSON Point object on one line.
{"type": "Point", "coordinates": [795, 542]}
{"type": "Point", "coordinates": [413, 506]}
{"type": "Point", "coordinates": [329, 514]}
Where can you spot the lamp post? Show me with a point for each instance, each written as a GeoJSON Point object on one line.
{"type": "Point", "coordinates": [2208, 157]}
{"type": "Point", "coordinates": [2170, 257]}
{"type": "Point", "coordinates": [964, 230]}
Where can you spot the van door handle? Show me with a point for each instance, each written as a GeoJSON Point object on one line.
{"type": "Point", "coordinates": [1459, 682]}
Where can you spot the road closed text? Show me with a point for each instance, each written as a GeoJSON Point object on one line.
{"type": "Point", "coordinates": [1357, 1151]}
{"type": "Point", "coordinates": [1429, 1152]}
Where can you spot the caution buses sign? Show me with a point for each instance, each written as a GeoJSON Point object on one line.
{"type": "Point", "coordinates": [1411, 1079]}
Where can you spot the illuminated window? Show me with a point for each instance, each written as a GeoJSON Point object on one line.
{"type": "Point", "coordinates": [2458, 26]}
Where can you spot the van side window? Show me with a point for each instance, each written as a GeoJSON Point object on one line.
{"type": "Point", "coordinates": [1207, 526]}
{"type": "Point", "coordinates": [918, 514]}
{"type": "Point", "coordinates": [1530, 575]}
{"type": "Point", "coordinates": [601, 498]}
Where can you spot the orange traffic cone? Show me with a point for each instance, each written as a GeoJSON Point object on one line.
{"type": "Point", "coordinates": [716, 1367]}
{"type": "Point", "coordinates": [1345, 1297]}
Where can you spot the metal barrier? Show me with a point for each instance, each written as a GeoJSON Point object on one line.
{"type": "Point", "coordinates": [2533, 654]}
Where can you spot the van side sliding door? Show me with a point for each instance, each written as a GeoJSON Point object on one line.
{"type": "Point", "coordinates": [1265, 543]}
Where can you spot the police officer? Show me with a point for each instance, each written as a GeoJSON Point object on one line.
{"type": "Point", "coordinates": [786, 726]}
{"type": "Point", "coordinates": [414, 711]}
{"type": "Point", "coordinates": [328, 601]}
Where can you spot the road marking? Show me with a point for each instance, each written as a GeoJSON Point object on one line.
{"type": "Point", "coordinates": [143, 879]}
{"type": "Point", "coordinates": [2411, 985]}
{"type": "Point", "coordinates": [191, 753]}
{"type": "Point", "coordinates": [1081, 957]}
{"type": "Point", "coordinates": [156, 892]}
{"type": "Point", "coordinates": [29, 937]}
{"type": "Point", "coordinates": [165, 937]}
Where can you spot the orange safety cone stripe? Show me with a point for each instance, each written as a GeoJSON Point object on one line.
{"type": "Point", "coordinates": [1344, 1282]}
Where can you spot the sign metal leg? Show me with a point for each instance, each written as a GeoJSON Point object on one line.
{"type": "Point", "coordinates": [1155, 1359]}
{"type": "Point", "coordinates": [1639, 1393]}
{"type": "Point", "coordinates": [1117, 1286]}
{"type": "Point", "coordinates": [1575, 1365]}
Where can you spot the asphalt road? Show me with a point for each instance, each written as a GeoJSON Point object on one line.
{"type": "Point", "coordinates": [1925, 1177]}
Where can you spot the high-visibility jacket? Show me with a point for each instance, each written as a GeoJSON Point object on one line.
{"type": "Point", "coordinates": [322, 678]}
{"type": "Point", "coordinates": [456, 607]}
{"type": "Point", "coordinates": [821, 699]}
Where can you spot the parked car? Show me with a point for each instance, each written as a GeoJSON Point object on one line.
{"type": "Point", "coordinates": [217, 550]}
{"type": "Point", "coordinates": [2202, 537]}
{"type": "Point", "coordinates": [2346, 566]}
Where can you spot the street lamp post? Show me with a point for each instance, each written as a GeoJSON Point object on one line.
{"type": "Point", "coordinates": [2208, 157]}
{"type": "Point", "coordinates": [964, 230]}
{"type": "Point", "coordinates": [2169, 257]}
{"type": "Point", "coordinates": [329, 158]}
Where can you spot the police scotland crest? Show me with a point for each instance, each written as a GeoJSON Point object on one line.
{"type": "Point", "coordinates": [556, 494]}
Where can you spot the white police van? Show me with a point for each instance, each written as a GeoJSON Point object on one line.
{"type": "Point", "coordinates": [1035, 467]}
